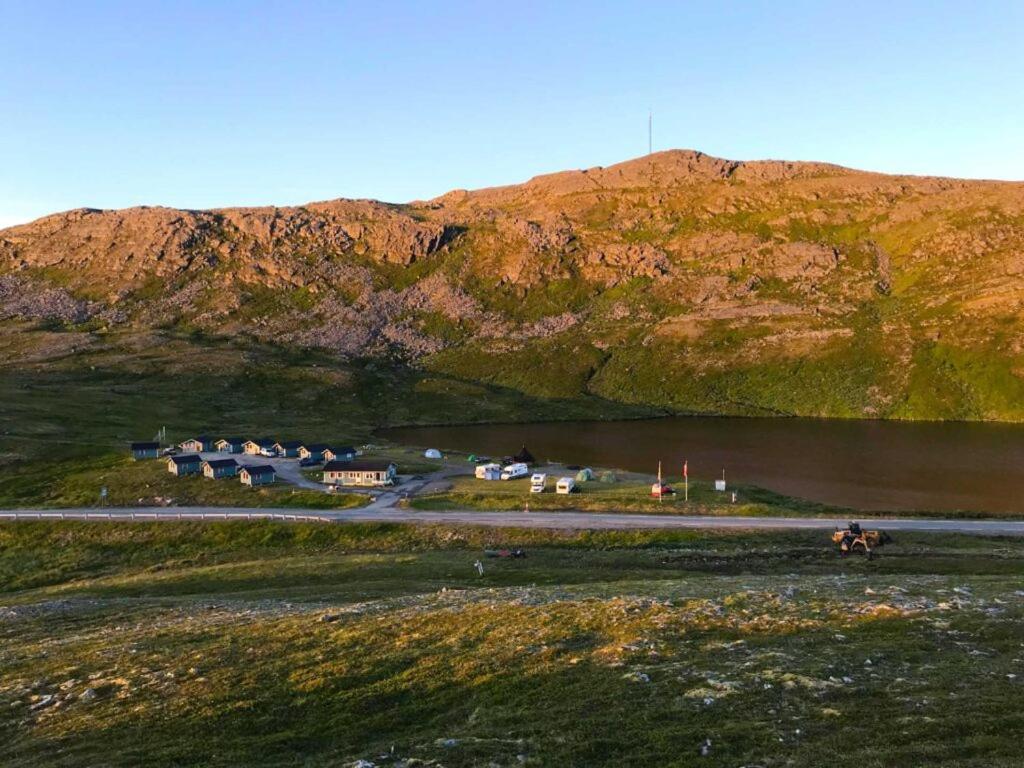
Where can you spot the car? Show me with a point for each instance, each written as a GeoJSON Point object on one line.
{"type": "Point", "coordinates": [309, 462]}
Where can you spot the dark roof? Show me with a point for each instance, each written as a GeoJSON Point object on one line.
{"type": "Point", "coordinates": [342, 449]}
{"type": "Point", "coordinates": [217, 463]}
{"type": "Point", "coordinates": [232, 440]}
{"type": "Point", "coordinates": [202, 438]}
{"type": "Point", "coordinates": [259, 469]}
{"type": "Point", "coordinates": [357, 466]}
{"type": "Point", "coordinates": [145, 446]}
{"type": "Point", "coordinates": [290, 444]}
{"type": "Point", "coordinates": [264, 442]}
{"type": "Point", "coordinates": [186, 458]}
{"type": "Point", "coordinates": [316, 446]}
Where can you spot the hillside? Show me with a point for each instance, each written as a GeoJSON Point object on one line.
{"type": "Point", "coordinates": [677, 281]}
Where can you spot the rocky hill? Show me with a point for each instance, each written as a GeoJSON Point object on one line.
{"type": "Point", "coordinates": [677, 280]}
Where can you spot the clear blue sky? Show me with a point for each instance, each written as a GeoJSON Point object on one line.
{"type": "Point", "coordinates": [200, 104]}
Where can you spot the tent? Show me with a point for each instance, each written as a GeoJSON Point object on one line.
{"type": "Point", "coordinates": [432, 453]}
{"type": "Point", "coordinates": [584, 474]}
{"type": "Point", "coordinates": [524, 457]}
{"type": "Point", "coordinates": [608, 477]}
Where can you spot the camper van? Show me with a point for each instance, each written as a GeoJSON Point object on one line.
{"type": "Point", "coordinates": [565, 485]}
{"type": "Point", "coordinates": [515, 471]}
{"type": "Point", "coordinates": [538, 483]}
{"type": "Point", "coordinates": [488, 472]}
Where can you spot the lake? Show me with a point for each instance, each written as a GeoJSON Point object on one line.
{"type": "Point", "coordinates": [868, 465]}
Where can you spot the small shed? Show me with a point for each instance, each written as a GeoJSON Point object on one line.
{"type": "Point", "coordinates": [288, 448]}
{"type": "Point", "coordinates": [340, 453]}
{"type": "Point", "coordinates": [314, 451]}
{"type": "Point", "coordinates": [198, 444]}
{"type": "Point", "coordinates": [432, 453]}
{"type": "Point", "coordinates": [261, 474]}
{"type": "Point", "coordinates": [218, 468]}
{"type": "Point", "coordinates": [264, 446]}
{"type": "Point", "coordinates": [584, 475]}
{"type": "Point", "coordinates": [185, 464]}
{"type": "Point", "coordinates": [149, 450]}
{"type": "Point", "coordinates": [229, 444]}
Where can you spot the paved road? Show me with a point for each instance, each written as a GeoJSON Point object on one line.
{"type": "Point", "coordinates": [562, 520]}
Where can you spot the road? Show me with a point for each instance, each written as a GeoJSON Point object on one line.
{"type": "Point", "coordinates": [560, 520]}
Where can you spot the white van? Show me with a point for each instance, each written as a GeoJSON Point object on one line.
{"type": "Point", "coordinates": [565, 485]}
{"type": "Point", "coordinates": [515, 471]}
{"type": "Point", "coordinates": [538, 483]}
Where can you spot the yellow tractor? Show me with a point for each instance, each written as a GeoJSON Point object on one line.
{"type": "Point", "coordinates": [855, 539]}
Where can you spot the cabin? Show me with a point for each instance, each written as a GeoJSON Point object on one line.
{"type": "Point", "coordinates": [141, 451]}
{"type": "Point", "coordinates": [261, 447]}
{"type": "Point", "coordinates": [364, 473]}
{"type": "Point", "coordinates": [215, 469]}
{"type": "Point", "coordinates": [344, 453]}
{"type": "Point", "coordinates": [197, 444]}
{"type": "Point", "coordinates": [289, 448]}
{"type": "Point", "coordinates": [262, 474]}
{"type": "Point", "coordinates": [185, 464]}
{"type": "Point", "coordinates": [229, 444]}
{"type": "Point", "coordinates": [313, 451]}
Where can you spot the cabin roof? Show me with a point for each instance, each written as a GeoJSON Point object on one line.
{"type": "Point", "coordinates": [218, 463]}
{"type": "Point", "coordinates": [358, 466]}
{"type": "Point", "coordinates": [187, 458]}
{"type": "Point", "coordinates": [145, 446]}
{"type": "Point", "coordinates": [258, 469]}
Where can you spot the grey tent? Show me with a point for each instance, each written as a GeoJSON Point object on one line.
{"type": "Point", "coordinates": [584, 474]}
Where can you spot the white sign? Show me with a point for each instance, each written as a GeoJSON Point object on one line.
{"type": "Point", "coordinates": [719, 485]}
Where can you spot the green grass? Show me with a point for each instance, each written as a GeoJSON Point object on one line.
{"type": "Point", "coordinates": [203, 646]}
{"type": "Point", "coordinates": [147, 483]}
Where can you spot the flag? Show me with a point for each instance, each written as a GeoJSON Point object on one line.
{"type": "Point", "coordinates": [686, 473]}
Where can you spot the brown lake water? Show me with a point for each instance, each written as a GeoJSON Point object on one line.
{"type": "Point", "coordinates": [868, 465]}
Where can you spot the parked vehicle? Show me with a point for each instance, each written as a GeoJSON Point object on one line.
{"type": "Point", "coordinates": [485, 471]}
{"type": "Point", "coordinates": [565, 485]}
{"type": "Point", "coordinates": [538, 483]}
{"type": "Point", "coordinates": [310, 462]}
{"type": "Point", "coordinates": [515, 471]}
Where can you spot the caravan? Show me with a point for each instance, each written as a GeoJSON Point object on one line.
{"type": "Point", "coordinates": [565, 485]}
{"type": "Point", "coordinates": [538, 483]}
{"type": "Point", "coordinates": [515, 471]}
{"type": "Point", "coordinates": [488, 472]}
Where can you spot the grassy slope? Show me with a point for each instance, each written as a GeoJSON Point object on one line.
{"type": "Point", "coordinates": [203, 646]}
{"type": "Point", "coordinates": [65, 424]}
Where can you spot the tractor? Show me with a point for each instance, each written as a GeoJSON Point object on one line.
{"type": "Point", "coordinates": [854, 539]}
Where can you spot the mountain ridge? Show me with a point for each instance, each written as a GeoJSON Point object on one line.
{"type": "Point", "coordinates": [677, 280]}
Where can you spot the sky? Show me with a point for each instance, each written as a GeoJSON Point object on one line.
{"type": "Point", "coordinates": [207, 104]}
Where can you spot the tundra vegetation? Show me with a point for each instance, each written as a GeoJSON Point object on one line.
{"type": "Point", "coordinates": [339, 645]}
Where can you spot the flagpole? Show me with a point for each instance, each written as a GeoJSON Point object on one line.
{"type": "Point", "coordinates": [686, 480]}
{"type": "Point", "coordinates": [660, 494]}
